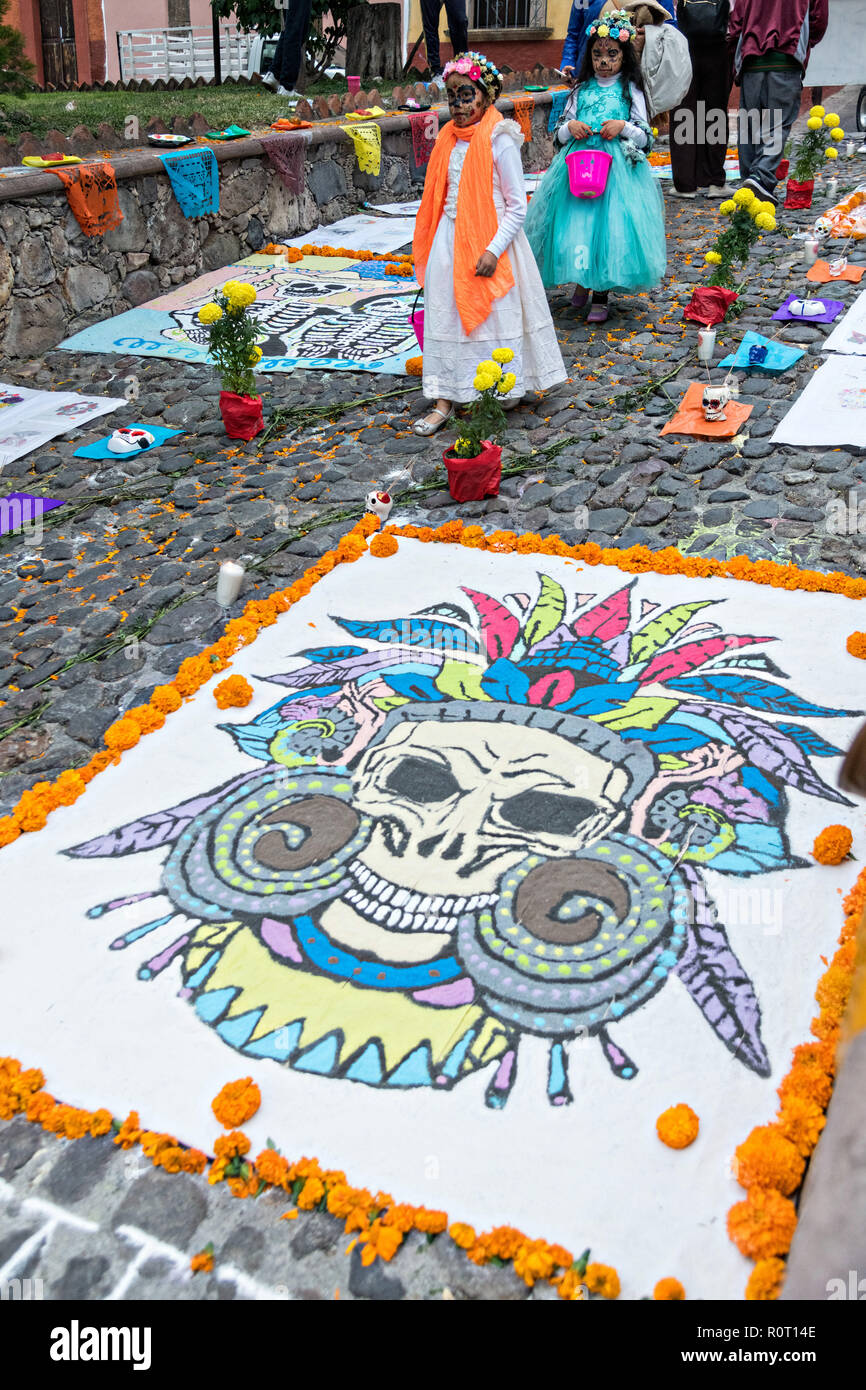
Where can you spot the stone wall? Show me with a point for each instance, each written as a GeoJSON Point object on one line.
{"type": "Point", "coordinates": [54, 280]}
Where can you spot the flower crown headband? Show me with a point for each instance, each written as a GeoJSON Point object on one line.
{"type": "Point", "coordinates": [615, 25]}
{"type": "Point", "coordinates": [478, 69]}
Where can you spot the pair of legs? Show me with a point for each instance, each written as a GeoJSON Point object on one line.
{"type": "Point", "coordinates": [769, 103]}
{"type": "Point", "coordinates": [598, 312]}
{"type": "Point", "coordinates": [458, 29]}
{"type": "Point", "coordinates": [289, 53]}
{"type": "Point", "coordinates": [699, 125]}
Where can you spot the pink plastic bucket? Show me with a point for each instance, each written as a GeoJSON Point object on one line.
{"type": "Point", "coordinates": [354, 84]}
{"type": "Point", "coordinates": [587, 172]}
{"type": "Point", "coordinates": [416, 318]}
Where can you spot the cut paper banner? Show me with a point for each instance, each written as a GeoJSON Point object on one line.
{"type": "Point", "coordinates": [91, 192]}
{"type": "Point", "coordinates": [596, 936]}
{"type": "Point", "coordinates": [425, 127]}
{"type": "Point", "coordinates": [287, 153]}
{"type": "Point", "coordinates": [21, 511]}
{"type": "Point", "coordinates": [557, 106]}
{"type": "Point", "coordinates": [849, 335]}
{"type": "Point", "coordinates": [819, 274]}
{"type": "Point", "coordinates": [831, 410]}
{"type": "Point", "coordinates": [780, 356]}
{"type": "Point", "coordinates": [367, 140]}
{"type": "Point", "coordinates": [690, 418]}
{"type": "Point", "coordinates": [832, 310]}
{"type": "Point", "coordinates": [361, 232]}
{"type": "Point", "coordinates": [318, 313]}
{"type": "Point", "coordinates": [194, 180]}
{"type": "Point", "coordinates": [523, 109]}
{"type": "Point", "coordinates": [30, 418]}
{"type": "Point", "coordinates": [99, 448]}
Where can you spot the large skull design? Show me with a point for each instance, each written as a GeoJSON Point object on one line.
{"type": "Point", "coordinates": [460, 795]}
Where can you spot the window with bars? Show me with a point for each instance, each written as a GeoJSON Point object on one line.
{"type": "Point", "coordinates": [509, 14]}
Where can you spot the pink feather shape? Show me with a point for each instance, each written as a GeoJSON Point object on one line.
{"type": "Point", "coordinates": [499, 628]}
{"type": "Point", "coordinates": [666, 665]}
{"type": "Point", "coordinates": [607, 619]}
{"type": "Point", "coordinates": [551, 689]}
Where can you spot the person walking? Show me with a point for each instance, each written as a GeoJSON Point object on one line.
{"type": "Point", "coordinates": [458, 32]}
{"type": "Point", "coordinates": [289, 54]}
{"type": "Point", "coordinates": [699, 125]}
{"type": "Point", "coordinates": [770, 41]}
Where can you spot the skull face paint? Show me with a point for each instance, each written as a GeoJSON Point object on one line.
{"type": "Point", "coordinates": [466, 102]}
{"type": "Point", "coordinates": [606, 57]}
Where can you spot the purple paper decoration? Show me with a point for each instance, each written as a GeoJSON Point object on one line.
{"type": "Point", "coordinates": [832, 310]}
{"type": "Point", "coordinates": [23, 509]}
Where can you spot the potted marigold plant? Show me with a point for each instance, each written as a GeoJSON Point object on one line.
{"type": "Point", "coordinates": [823, 132]}
{"type": "Point", "coordinates": [474, 460]}
{"type": "Point", "coordinates": [747, 216]}
{"type": "Point", "coordinates": [232, 345]}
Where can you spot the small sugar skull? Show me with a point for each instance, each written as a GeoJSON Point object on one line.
{"type": "Point", "coordinates": [714, 400]}
{"type": "Point", "coordinates": [379, 503]}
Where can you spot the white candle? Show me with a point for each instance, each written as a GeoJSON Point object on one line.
{"type": "Point", "coordinates": [832, 189]}
{"type": "Point", "coordinates": [850, 149]}
{"type": "Point", "coordinates": [229, 582]}
{"type": "Point", "coordinates": [810, 250]}
{"type": "Point", "coordinates": [706, 344]}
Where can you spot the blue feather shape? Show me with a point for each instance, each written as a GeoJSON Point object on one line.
{"type": "Point", "coordinates": [586, 655]}
{"type": "Point", "coordinates": [413, 632]}
{"type": "Point", "coordinates": [809, 741]}
{"type": "Point", "coordinates": [503, 680]}
{"type": "Point", "coordinates": [332, 653]}
{"type": "Point", "coordinates": [730, 689]}
{"type": "Point", "coordinates": [667, 738]}
{"type": "Point", "coordinates": [414, 687]}
{"type": "Point", "coordinates": [599, 699]}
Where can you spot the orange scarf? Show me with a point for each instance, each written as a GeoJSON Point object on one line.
{"type": "Point", "coordinates": [477, 220]}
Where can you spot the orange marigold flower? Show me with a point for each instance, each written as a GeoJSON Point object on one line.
{"type": "Point", "coordinates": [147, 717]}
{"type": "Point", "coordinates": [129, 1132]}
{"type": "Point", "coordinates": [383, 546]}
{"type": "Point", "coordinates": [414, 366]}
{"type": "Point", "coordinates": [812, 1083]}
{"type": "Point", "coordinates": [832, 845]}
{"type": "Point", "coordinates": [678, 1126]}
{"type": "Point", "coordinates": [39, 1107]}
{"type": "Point", "coordinates": [9, 830]}
{"type": "Point", "coordinates": [236, 1103]}
{"type": "Point", "coordinates": [765, 1280]}
{"type": "Point", "coordinates": [856, 645]}
{"type": "Point", "coordinates": [431, 1223]}
{"type": "Point", "coordinates": [602, 1279]}
{"type": "Point", "coordinates": [27, 1083]}
{"type": "Point", "coordinates": [768, 1159]}
{"type": "Point", "coordinates": [69, 787]}
{"type": "Point", "coordinates": [76, 1122]}
{"type": "Point", "coordinates": [473, 537]}
{"type": "Point", "coordinates": [202, 1263]}
{"type": "Point", "coordinates": [801, 1120]}
{"type": "Point", "coordinates": [311, 1194]}
{"type": "Point", "coordinates": [236, 691]}
{"type": "Point", "coordinates": [570, 1286]}
{"type": "Point", "coordinates": [122, 734]}
{"type": "Point", "coordinates": [166, 699]}
{"type": "Point", "coordinates": [273, 1168]}
{"type": "Point", "coordinates": [229, 1146]}
{"type": "Point", "coordinates": [100, 1123]}
{"type": "Point", "coordinates": [528, 543]}
{"type": "Point", "coordinates": [461, 1234]}
{"type": "Point", "coordinates": [153, 1143]}
{"type": "Point", "coordinates": [534, 1261]}
{"type": "Point", "coordinates": [669, 1290]}
{"type": "Point", "coordinates": [382, 1241]}
{"type": "Point", "coordinates": [193, 1161]}
{"type": "Point", "coordinates": [763, 1223]}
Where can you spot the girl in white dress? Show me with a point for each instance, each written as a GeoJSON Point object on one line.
{"type": "Point", "coordinates": [482, 288]}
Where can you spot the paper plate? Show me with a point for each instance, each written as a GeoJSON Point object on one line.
{"type": "Point", "coordinates": [170, 139]}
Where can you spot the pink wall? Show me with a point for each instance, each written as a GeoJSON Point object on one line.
{"type": "Point", "coordinates": [135, 14]}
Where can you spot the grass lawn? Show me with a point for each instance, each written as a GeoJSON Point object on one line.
{"type": "Point", "coordinates": [253, 107]}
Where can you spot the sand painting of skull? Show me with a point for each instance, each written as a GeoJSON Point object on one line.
{"type": "Point", "coordinates": [481, 821]}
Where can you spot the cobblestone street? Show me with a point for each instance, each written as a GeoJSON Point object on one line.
{"type": "Point", "coordinates": [121, 589]}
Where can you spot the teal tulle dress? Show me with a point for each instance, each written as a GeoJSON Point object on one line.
{"type": "Point", "coordinates": [615, 242]}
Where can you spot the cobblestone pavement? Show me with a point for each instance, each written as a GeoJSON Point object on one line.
{"type": "Point", "coordinates": [121, 589]}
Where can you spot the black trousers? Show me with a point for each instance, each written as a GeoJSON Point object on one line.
{"type": "Point", "coordinates": [292, 41]}
{"type": "Point", "coordinates": [697, 148]}
{"type": "Point", "coordinates": [458, 29]}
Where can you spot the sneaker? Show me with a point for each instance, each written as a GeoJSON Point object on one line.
{"type": "Point", "coordinates": [675, 192]}
{"type": "Point", "coordinates": [714, 191]}
{"type": "Point", "coordinates": [758, 188]}
{"type": "Point", "coordinates": [270, 80]}
{"type": "Point", "coordinates": [292, 95]}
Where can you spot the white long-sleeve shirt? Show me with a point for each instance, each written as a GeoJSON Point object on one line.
{"type": "Point", "coordinates": [629, 131]}
{"type": "Point", "coordinates": [509, 189]}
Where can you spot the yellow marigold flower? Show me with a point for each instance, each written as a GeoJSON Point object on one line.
{"type": "Point", "coordinates": [255, 355]}
{"type": "Point", "coordinates": [831, 119]}
{"type": "Point", "coordinates": [602, 1279]}
{"type": "Point", "coordinates": [743, 197]}
{"type": "Point", "coordinates": [837, 133]}
{"type": "Point", "coordinates": [508, 383]}
{"type": "Point", "coordinates": [765, 1280]}
{"type": "Point", "coordinates": [483, 382]}
{"type": "Point", "coordinates": [209, 313]}
{"type": "Point", "coordinates": [814, 123]}
{"type": "Point", "coordinates": [489, 368]}
{"type": "Point", "coordinates": [767, 207]}
{"type": "Point", "coordinates": [670, 1290]}
{"type": "Point", "coordinates": [678, 1126]}
{"type": "Point", "coordinates": [502, 355]}
{"type": "Point", "coordinates": [765, 222]}
{"type": "Point", "coordinates": [816, 111]}
{"type": "Point", "coordinates": [830, 153]}
{"type": "Point", "coordinates": [713, 258]}
{"type": "Point", "coordinates": [727, 207]}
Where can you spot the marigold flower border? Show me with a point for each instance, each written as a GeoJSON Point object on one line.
{"type": "Point", "coordinates": [380, 1222]}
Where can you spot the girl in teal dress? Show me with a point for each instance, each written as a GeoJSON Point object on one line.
{"type": "Point", "coordinates": [616, 241]}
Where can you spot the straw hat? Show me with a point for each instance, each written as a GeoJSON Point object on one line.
{"type": "Point", "coordinates": [654, 12]}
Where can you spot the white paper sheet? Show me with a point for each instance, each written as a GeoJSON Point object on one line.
{"type": "Point", "coordinates": [360, 232]}
{"type": "Point", "coordinates": [849, 335]}
{"type": "Point", "coordinates": [831, 410]}
{"type": "Point", "coordinates": [30, 418]}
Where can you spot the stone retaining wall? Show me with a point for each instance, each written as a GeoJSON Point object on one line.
{"type": "Point", "coordinates": [55, 281]}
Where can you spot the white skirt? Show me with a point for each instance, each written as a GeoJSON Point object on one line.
{"type": "Point", "coordinates": [520, 320]}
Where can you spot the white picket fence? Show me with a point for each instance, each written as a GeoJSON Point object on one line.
{"type": "Point", "coordinates": [183, 52]}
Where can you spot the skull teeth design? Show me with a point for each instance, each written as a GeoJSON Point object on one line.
{"type": "Point", "coordinates": [399, 909]}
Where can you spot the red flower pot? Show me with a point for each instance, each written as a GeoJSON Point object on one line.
{"type": "Point", "coordinates": [782, 170]}
{"type": "Point", "coordinates": [471, 480]}
{"type": "Point", "coordinates": [242, 415]}
{"type": "Point", "coordinates": [799, 195]}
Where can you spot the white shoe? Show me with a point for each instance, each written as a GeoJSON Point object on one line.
{"type": "Point", "coordinates": [292, 95]}
{"type": "Point", "coordinates": [270, 80]}
{"type": "Point", "coordinates": [713, 191]}
{"type": "Point", "coordinates": [677, 194]}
